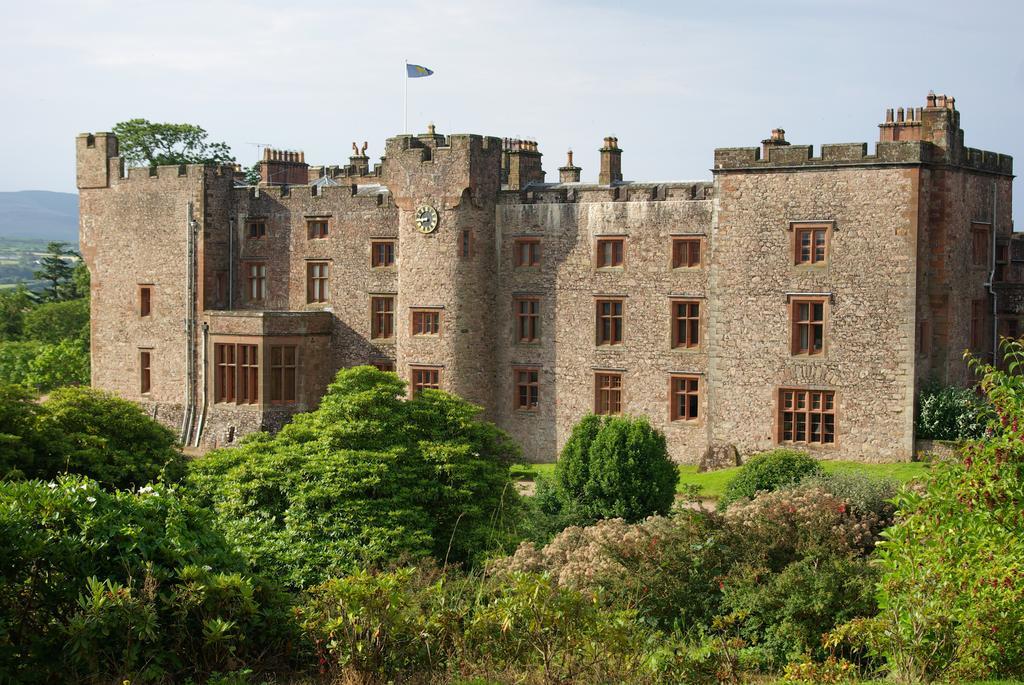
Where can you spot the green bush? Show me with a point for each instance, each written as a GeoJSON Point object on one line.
{"type": "Point", "coordinates": [769, 471]}
{"type": "Point", "coordinates": [952, 586]}
{"type": "Point", "coordinates": [44, 366]}
{"type": "Point", "coordinates": [367, 478]}
{"type": "Point", "coordinates": [53, 322]}
{"type": "Point", "coordinates": [617, 467]}
{"type": "Point", "coordinates": [88, 432]}
{"type": "Point", "coordinates": [949, 413]}
{"type": "Point", "coordinates": [98, 586]}
{"type": "Point", "coordinates": [15, 361]}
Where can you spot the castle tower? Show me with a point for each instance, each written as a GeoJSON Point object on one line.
{"type": "Point", "coordinates": [446, 189]}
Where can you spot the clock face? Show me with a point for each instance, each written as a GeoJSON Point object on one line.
{"type": "Point", "coordinates": [426, 219]}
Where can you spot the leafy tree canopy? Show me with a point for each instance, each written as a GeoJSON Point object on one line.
{"type": "Point", "coordinates": [58, 269]}
{"type": "Point", "coordinates": [142, 142]}
{"type": "Point", "coordinates": [14, 302]}
{"type": "Point", "coordinates": [53, 322]}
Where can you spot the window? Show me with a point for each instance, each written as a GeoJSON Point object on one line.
{"type": "Point", "coordinates": [256, 229]}
{"type": "Point", "coordinates": [977, 324]}
{"type": "Point", "coordinates": [382, 253]}
{"type": "Point", "coordinates": [145, 371]}
{"type": "Point", "coordinates": [685, 252]}
{"type": "Point", "coordinates": [527, 319]}
{"type": "Point", "coordinates": [608, 393]}
{"type": "Point", "coordinates": [145, 300]}
{"type": "Point", "coordinates": [808, 326]}
{"type": "Point", "coordinates": [466, 244]}
{"type": "Point", "coordinates": [316, 228]}
{"type": "Point", "coordinates": [685, 323]}
{"type": "Point", "coordinates": [609, 322]}
{"type": "Point", "coordinates": [527, 389]}
{"type": "Point", "coordinates": [922, 338]}
{"type": "Point", "coordinates": [382, 317]}
{"type": "Point", "coordinates": [236, 373]}
{"type": "Point", "coordinates": [810, 244]}
{"type": "Point", "coordinates": [220, 287]}
{"type": "Point", "coordinates": [426, 322]}
{"type": "Point", "coordinates": [685, 399]}
{"type": "Point", "coordinates": [425, 378]}
{"type": "Point", "coordinates": [317, 278]}
{"type": "Point", "coordinates": [610, 252]}
{"type": "Point", "coordinates": [807, 416]}
{"type": "Point", "coordinates": [257, 281]}
{"type": "Point", "coordinates": [1012, 328]}
{"type": "Point", "coordinates": [527, 251]}
{"type": "Point", "coordinates": [979, 244]}
{"type": "Point", "coordinates": [282, 373]}
{"type": "Point", "coordinates": [383, 365]}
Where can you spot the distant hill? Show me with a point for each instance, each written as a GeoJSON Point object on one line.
{"type": "Point", "coordinates": [39, 214]}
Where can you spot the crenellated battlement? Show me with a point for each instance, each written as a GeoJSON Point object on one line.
{"type": "Point", "coordinates": [582, 193]}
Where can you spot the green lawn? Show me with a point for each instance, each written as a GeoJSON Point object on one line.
{"type": "Point", "coordinates": [712, 483]}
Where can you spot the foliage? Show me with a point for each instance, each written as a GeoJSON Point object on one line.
{"type": "Point", "coordinates": [102, 586]}
{"type": "Point", "coordinates": [57, 366]}
{"type": "Point", "coordinates": [252, 175]}
{"type": "Point", "coordinates": [89, 432]}
{"type": "Point", "coordinates": [769, 471]}
{"type": "Point", "coordinates": [14, 304]}
{"type": "Point", "coordinates": [870, 497]}
{"type": "Point", "coordinates": [387, 625]}
{"type": "Point", "coordinates": [57, 267]}
{"type": "Point", "coordinates": [367, 477]}
{"type": "Point", "coordinates": [949, 413]}
{"type": "Point", "coordinates": [53, 322]}
{"type": "Point", "coordinates": [16, 359]}
{"type": "Point", "coordinates": [142, 142]}
{"type": "Point", "coordinates": [952, 587]}
{"type": "Point", "coordinates": [617, 467]}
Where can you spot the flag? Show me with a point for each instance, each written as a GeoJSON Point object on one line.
{"type": "Point", "coordinates": [416, 71]}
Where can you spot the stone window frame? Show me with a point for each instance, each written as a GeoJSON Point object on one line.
{"type": "Point", "coordinates": [242, 390]}
{"type": "Point", "coordinates": [261, 279]}
{"type": "Point", "coordinates": [678, 241]}
{"type": "Point", "coordinates": [318, 286]}
{"type": "Point", "coordinates": [981, 243]}
{"type": "Point", "coordinates": [674, 318]}
{"type": "Point", "coordinates": [518, 316]}
{"type": "Point", "coordinates": [674, 393]}
{"type": "Point", "coordinates": [798, 227]}
{"type": "Point", "coordinates": [422, 313]}
{"type": "Point", "coordinates": [467, 244]}
{"type": "Point", "coordinates": [420, 378]}
{"type": "Point", "coordinates": [375, 261]}
{"type": "Point", "coordinates": [519, 385]}
{"type": "Point", "coordinates": [535, 252]}
{"type": "Point", "coordinates": [145, 300]}
{"type": "Point", "coordinates": [810, 299]}
{"type": "Point", "coordinates": [607, 382]}
{"type": "Point", "coordinates": [253, 222]}
{"type": "Point", "coordinates": [921, 342]}
{"type": "Point", "coordinates": [272, 372]}
{"type": "Point", "coordinates": [314, 224]}
{"type": "Point", "coordinates": [781, 411]}
{"type": "Point", "coordinates": [599, 242]}
{"type": "Point", "coordinates": [376, 328]}
{"type": "Point", "coordinates": [145, 370]}
{"type": "Point", "coordinates": [599, 338]}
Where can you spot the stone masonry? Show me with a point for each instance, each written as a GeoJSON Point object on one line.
{"type": "Point", "coordinates": [224, 308]}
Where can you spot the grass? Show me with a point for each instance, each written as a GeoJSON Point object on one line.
{"type": "Point", "coordinates": [712, 484]}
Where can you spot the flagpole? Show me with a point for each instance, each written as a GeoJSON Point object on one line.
{"type": "Point", "coordinates": [405, 121]}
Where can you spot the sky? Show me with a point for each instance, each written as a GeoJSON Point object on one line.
{"type": "Point", "coordinates": [671, 80]}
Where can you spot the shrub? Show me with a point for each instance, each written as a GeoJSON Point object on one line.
{"type": "Point", "coordinates": [15, 361]}
{"type": "Point", "coordinates": [122, 585]}
{"type": "Point", "coordinates": [769, 471]}
{"type": "Point", "coordinates": [384, 625]}
{"type": "Point", "coordinates": [43, 366]}
{"type": "Point", "coordinates": [617, 467]}
{"type": "Point", "coordinates": [20, 440]}
{"type": "Point", "coordinates": [949, 413]}
{"type": "Point", "coordinates": [364, 479]}
{"type": "Point", "coordinates": [952, 586]}
{"type": "Point", "coordinates": [869, 496]}
{"type": "Point", "coordinates": [53, 322]}
{"type": "Point", "coordinates": [99, 435]}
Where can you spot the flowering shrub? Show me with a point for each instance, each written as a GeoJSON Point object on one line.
{"type": "Point", "coordinates": [949, 413]}
{"type": "Point", "coordinates": [952, 587]}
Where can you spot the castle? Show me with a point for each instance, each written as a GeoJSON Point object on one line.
{"type": "Point", "coordinates": [795, 298]}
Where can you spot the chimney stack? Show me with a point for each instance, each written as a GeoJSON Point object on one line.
{"type": "Point", "coordinates": [524, 165]}
{"type": "Point", "coordinates": [283, 167]}
{"type": "Point", "coordinates": [569, 173]}
{"type": "Point", "coordinates": [777, 139]}
{"type": "Point", "coordinates": [611, 162]}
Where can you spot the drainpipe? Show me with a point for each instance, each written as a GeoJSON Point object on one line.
{"type": "Point", "coordinates": [991, 281]}
{"type": "Point", "coordinates": [202, 369]}
{"type": "Point", "coordinates": [192, 234]}
{"type": "Point", "coordinates": [231, 263]}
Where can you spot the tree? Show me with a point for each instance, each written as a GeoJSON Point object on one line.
{"type": "Point", "coordinates": [57, 268]}
{"type": "Point", "coordinates": [14, 303]}
{"type": "Point", "coordinates": [142, 142]}
{"type": "Point", "coordinates": [252, 174]}
{"type": "Point", "coordinates": [54, 322]}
